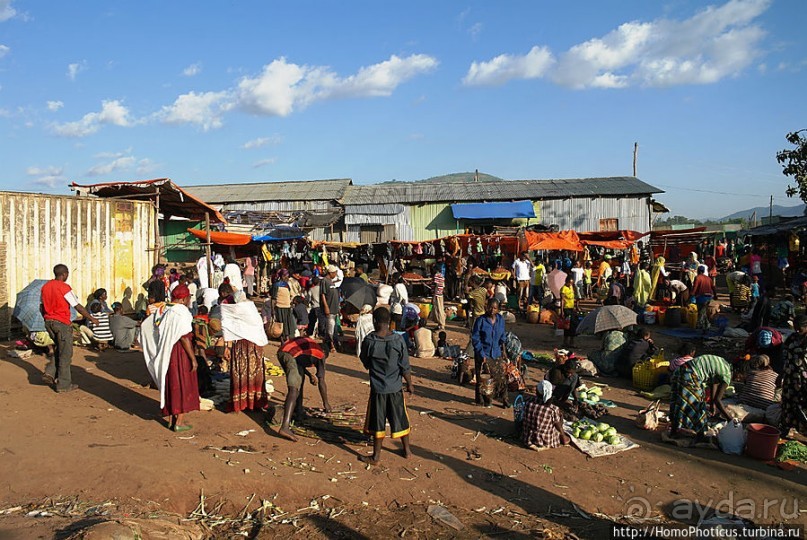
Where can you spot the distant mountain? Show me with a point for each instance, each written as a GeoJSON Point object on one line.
{"type": "Point", "coordinates": [455, 178]}
{"type": "Point", "coordinates": [763, 211]}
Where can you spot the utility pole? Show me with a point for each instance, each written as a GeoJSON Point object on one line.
{"type": "Point", "coordinates": [770, 212]}
{"type": "Point", "coordinates": [635, 156]}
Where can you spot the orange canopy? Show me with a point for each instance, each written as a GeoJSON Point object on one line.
{"type": "Point", "coordinates": [611, 239]}
{"type": "Point", "coordinates": [549, 241]}
{"type": "Point", "coordinates": [223, 238]}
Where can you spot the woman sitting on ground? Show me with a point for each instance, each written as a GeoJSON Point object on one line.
{"type": "Point", "coordinates": [543, 420]}
{"type": "Point", "coordinates": [613, 342]}
{"type": "Point", "coordinates": [640, 348]}
{"type": "Point", "coordinates": [760, 384]}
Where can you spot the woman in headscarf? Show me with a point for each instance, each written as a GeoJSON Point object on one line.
{"type": "Point", "coordinates": [657, 275]}
{"type": "Point", "coordinates": [167, 339]}
{"type": "Point", "coordinates": [243, 332]}
{"type": "Point", "coordinates": [281, 304]}
{"type": "Point", "coordinates": [688, 407]}
{"type": "Point", "coordinates": [794, 380]}
{"type": "Point", "coordinates": [543, 421]}
{"type": "Point", "coordinates": [364, 325]}
{"type": "Point", "coordinates": [642, 285]}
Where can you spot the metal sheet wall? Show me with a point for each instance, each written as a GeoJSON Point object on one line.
{"type": "Point", "coordinates": [585, 214]}
{"type": "Point", "coordinates": [105, 243]}
{"type": "Point", "coordinates": [432, 220]}
{"type": "Point", "coordinates": [278, 206]}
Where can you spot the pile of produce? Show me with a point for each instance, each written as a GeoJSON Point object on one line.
{"type": "Point", "coordinates": [601, 433]}
{"type": "Point", "coordinates": [792, 451]}
{"type": "Point", "coordinates": [592, 394]}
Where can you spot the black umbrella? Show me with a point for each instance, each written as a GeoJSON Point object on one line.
{"type": "Point", "coordinates": [358, 292]}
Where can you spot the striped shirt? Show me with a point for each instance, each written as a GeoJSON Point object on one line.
{"type": "Point", "coordinates": [711, 368]}
{"type": "Point", "coordinates": [760, 389]}
{"type": "Point", "coordinates": [303, 349]}
{"type": "Point", "coordinates": [439, 284]}
{"type": "Point", "coordinates": [101, 331]}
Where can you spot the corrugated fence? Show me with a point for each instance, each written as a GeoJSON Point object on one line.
{"type": "Point", "coordinates": [105, 243]}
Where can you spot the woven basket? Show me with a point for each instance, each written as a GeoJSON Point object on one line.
{"type": "Point", "coordinates": [645, 376]}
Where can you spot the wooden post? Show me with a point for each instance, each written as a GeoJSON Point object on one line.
{"type": "Point", "coordinates": [158, 244]}
{"type": "Point", "coordinates": [635, 156]}
{"type": "Point", "coordinates": [208, 255]}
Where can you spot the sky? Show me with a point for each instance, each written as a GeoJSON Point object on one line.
{"type": "Point", "coordinates": [255, 91]}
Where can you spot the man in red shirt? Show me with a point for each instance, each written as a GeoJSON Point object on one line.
{"type": "Point", "coordinates": [57, 299]}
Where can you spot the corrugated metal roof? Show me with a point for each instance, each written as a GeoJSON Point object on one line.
{"type": "Point", "coordinates": [417, 192]}
{"type": "Point", "coordinates": [272, 191]}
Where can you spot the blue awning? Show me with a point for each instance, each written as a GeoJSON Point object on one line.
{"type": "Point", "coordinates": [493, 210]}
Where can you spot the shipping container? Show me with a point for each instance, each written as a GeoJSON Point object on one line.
{"type": "Point", "coordinates": [106, 243]}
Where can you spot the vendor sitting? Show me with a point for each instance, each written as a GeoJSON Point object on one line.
{"type": "Point", "coordinates": [613, 343]}
{"type": "Point", "coordinates": [688, 407]}
{"type": "Point", "coordinates": [759, 389]}
{"type": "Point", "coordinates": [639, 349]}
{"type": "Point", "coordinates": [783, 312]}
{"type": "Point", "coordinates": [565, 380]}
{"type": "Point", "coordinates": [767, 341]}
{"type": "Point", "coordinates": [424, 341]}
{"type": "Point", "coordinates": [543, 421]}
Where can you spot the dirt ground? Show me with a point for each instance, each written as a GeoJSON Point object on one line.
{"type": "Point", "coordinates": [105, 451]}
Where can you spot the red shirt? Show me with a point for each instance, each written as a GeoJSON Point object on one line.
{"type": "Point", "coordinates": [702, 285]}
{"type": "Point", "coordinates": [54, 302]}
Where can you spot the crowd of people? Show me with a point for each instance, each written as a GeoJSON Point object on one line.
{"type": "Point", "coordinates": [190, 332]}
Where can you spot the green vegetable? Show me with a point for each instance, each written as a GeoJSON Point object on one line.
{"type": "Point", "coordinates": [610, 432]}
{"type": "Point", "coordinates": [792, 450]}
{"type": "Point", "coordinates": [586, 435]}
{"type": "Point", "coordinates": [597, 437]}
{"type": "Point", "coordinates": [594, 398]}
{"type": "Point", "coordinates": [602, 427]}
{"type": "Point", "coordinates": [612, 439]}
{"type": "Point", "coordinates": [576, 433]}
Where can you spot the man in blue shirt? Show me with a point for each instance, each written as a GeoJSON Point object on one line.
{"type": "Point", "coordinates": [487, 337]}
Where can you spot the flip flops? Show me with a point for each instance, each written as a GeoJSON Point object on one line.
{"type": "Point", "coordinates": [180, 429]}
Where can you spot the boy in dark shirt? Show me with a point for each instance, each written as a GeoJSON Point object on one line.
{"type": "Point", "coordinates": [384, 354]}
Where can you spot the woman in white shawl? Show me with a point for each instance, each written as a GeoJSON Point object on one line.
{"type": "Point", "coordinates": [167, 339]}
{"type": "Point", "coordinates": [242, 328]}
{"type": "Point", "coordinates": [364, 325]}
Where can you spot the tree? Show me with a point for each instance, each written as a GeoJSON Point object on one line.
{"type": "Point", "coordinates": [794, 163]}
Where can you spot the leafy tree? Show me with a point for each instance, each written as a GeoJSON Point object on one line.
{"type": "Point", "coordinates": [794, 163]}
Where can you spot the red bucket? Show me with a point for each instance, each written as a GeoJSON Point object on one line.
{"type": "Point", "coordinates": [762, 441]}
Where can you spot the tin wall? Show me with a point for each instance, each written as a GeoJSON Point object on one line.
{"type": "Point", "coordinates": [104, 242]}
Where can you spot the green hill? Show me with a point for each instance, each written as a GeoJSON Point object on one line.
{"type": "Point", "coordinates": [455, 178]}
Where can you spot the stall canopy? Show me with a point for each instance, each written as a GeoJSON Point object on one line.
{"type": "Point", "coordinates": [611, 239]}
{"type": "Point", "coordinates": [170, 199]}
{"type": "Point", "coordinates": [777, 228]}
{"type": "Point", "coordinates": [493, 210]}
{"type": "Point", "coordinates": [223, 238]}
{"type": "Point", "coordinates": [553, 241]}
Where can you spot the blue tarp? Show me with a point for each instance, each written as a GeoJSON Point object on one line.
{"type": "Point", "coordinates": [270, 238]}
{"type": "Point", "coordinates": [493, 210]}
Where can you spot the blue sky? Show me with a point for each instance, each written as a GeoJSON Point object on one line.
{"type": "Point", "coordinates": [251, 91]}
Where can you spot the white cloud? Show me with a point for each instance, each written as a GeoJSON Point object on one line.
{"type": "Point", "coordinates": [46, 176]}
{"type": "Point", "coordinates": [4, 50]}
{"type": "Point", "coordinates": [283, 87]}
{"type": "Point", "coordinates": [115, 165]}
{"type": "Point", "coordinates": [264, 162]}
{"type": "Point", "coordinates": [715, 43]}
{"type": "Point", "coordinates": [75, 69]}
{"type": "Point", "coordinates": [193, 69]}
{"type": "Point", "coordinates": [6, 11]}
{"type": "Point", "coordinates": [475, 30]}
{"type": "Point", "coordinates": [54, 106]}
{"type": "Point", "coordinates": [113, 112]}
{"type": "Point", "coordinates": [507, 67]}
{"type": "Point", "coordinates": [262, 141]}
{"type": "Point", "coordinates": [204, 109]}
{"type": "Point", "coordinates": [120, 161]}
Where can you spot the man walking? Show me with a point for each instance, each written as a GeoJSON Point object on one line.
{"type": "Point", "coordinates": [57, 299]}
